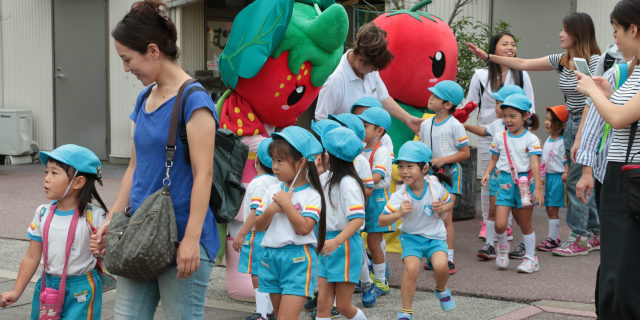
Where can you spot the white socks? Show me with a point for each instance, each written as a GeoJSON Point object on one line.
{"type": "Point", "coordinates": [450, 254]}
{"type": "Point", "coordinates": [359, 315]}
{"type": "Point", "coordinates": [379, 271]}
{"type": "Point", "coordinates": [554, 228]}
{"type": "Point", "coordinates": [502, 239]}
{"type": "Point", "coordinates": [263, 303]}
{"type": "Point", "coordinates": [364, 271]}
{"type": "Point", "coordinates": [383, 246]}
{"type": "Point", "coordinates": [529, 243]}
{"type": "Point", "coordinates": [490, 232]}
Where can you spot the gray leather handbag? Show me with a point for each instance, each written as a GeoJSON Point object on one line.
{"type": "Point", "coordinates": [144, 245]}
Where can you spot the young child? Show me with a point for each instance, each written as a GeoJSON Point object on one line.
{"type": "Point", "coordinates": [514, 160]}
{"type": "Point", "coordinates": [376, 123]}
{"type": "Point", "coordinates": [423, 232]}
{"type": "Point", "coordinates": [70, 176]}
{"type": "Point", "coordinates": [448, 140]}
{"type": "Point", "coordinates": [288, 212]}
{"type": "Point", "coordinates": [247, 242]}
{"type": "Point", "coordinates": [365, 103]}
{"type": "Point", "coordinates": [553, 170]}
{"type": "Point", "coordinates": [496, 127]}
{"type": "Point", "coordinates": [340, 260]}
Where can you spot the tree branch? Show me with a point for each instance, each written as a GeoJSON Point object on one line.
{"type": "Point", "coordinates": [457, 9]}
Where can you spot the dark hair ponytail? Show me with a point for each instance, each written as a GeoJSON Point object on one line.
{"type": "Point", "coordinates": [340, 169]}
{"type": "Point", "coordinates": [442, 177]}
{"type": "Point", "coordinates": [89, 192]}
{"type": "Point", "coordinates": [314, 180]}
{"type": "Point", "coordinates": [532, 123]}
{"type": "Point", "coordinates": [147, 22]}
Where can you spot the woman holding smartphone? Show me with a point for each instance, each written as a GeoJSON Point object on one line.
{"type": "Point", "coordinates": [578, 40]}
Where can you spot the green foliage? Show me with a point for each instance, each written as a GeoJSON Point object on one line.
{"type": "Point", "coordinates": [468, 29]}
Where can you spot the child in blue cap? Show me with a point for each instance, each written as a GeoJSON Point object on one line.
{"type": "Point", "coordinates": [445, 135]}
{"type": "Point", "coordinates": [248, 240]}
{"type": "Point", "coordinates": [488, 252]}
{"type": "Point", "coordinates": [288, 212]}
{"type": "Point", "coordinates": [422, 203]}
{"type": "Point", "coordinates": [515, 154]}
{"type": "Point", "coordinates": [340, 260]}
{"type": "Point", "coordinates": [376, 122]}
{"type": "Point", "coordinates": [365, 103]}
{"type": "Point", "coordinates": [70, 176]}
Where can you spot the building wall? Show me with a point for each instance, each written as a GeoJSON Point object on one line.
{"type": "Point", "coordinates": [191, 36]}
{"type": "Point", "coordinates": [599, 11]}
{"type": "Point", "coordinates": [27, 63]}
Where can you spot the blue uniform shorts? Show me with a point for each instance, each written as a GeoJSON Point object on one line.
{"type": "Point", "coordinates": [82, 296]}
{"type": "Point", "coordinates": [373, 210]}
{"type": "Point", "coordinates": [289, 270]}
{"type": "Point", "coordinates": [455, 171]}
{"type": "Point", "coordinates": [555, 194]}
{"type": "Point", "coordinates": [418, 246]}
{"type": "Point", "coordinates": [493, 183]}
{"type": "Point", "coordinates": [344, 263]}
{"type": "Point", "coordinates": [508, 193]}
{"type": "Point", "coordinates": [250, 253]}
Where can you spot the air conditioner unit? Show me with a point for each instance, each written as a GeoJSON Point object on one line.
{"type": "Point", "coordinates": [16, 132]}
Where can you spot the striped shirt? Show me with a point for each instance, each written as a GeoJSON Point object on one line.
{"type": "Point", "coordinates": [618, 148]}
{"type": "Point", "coordinates": [592, 133]}
{"type": "Point", "coordinates": [575, 101]}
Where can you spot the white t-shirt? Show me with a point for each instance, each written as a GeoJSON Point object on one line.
{"type": "Point", "coordinates": [363, 170]}
{"type": "Point", "coordinates": [345, 203]}
{"type": "Point", "coordinates": [494, 128]}
{"type": "Point", "coordinates": [280, 232]}
{"type": "Point", "coordinates": [553, 155]}
{"type": "Point", "coordinates": [255, 190]}
{"type": "Point", "coordinates": [521, 148]}
{"type": "Point", "coordinates": [447, 136]}
{"type": "Point", "coordinates": [381, 165]}
{"type": "Point", "coordinates": [343, 88]}
{"type": "Point", "coordinates": [421, 221]}
{"type": "Point", "coordinates": [486, 111]}
{"type": "Point", "coordinates": [385, 141]}
{"type": "Point", "coordinates": [81, 259]}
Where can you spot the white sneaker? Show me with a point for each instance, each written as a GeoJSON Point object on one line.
{"type": "Point", "coordinates": [502, 256]}
{"type": "Point", "coordinates": [529, 264]}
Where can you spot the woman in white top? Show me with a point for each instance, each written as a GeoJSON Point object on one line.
{"type": "Point", "coordinates": [484, 83]}
{"type": "Point", "coordinates": [619, 281]}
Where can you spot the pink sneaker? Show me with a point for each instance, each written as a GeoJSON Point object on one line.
{"type": "Point", "coordinates": [594, 243]}
{"type": "Point", "coordinates": [548, 244]}
{"type": "Point", "coordinates": [509, 234]}
{"type": "Point", "coordinates": [483, 231]}
{"type": "Point", "coordinates": [575, 246]}
{"type": "Point", "coordinates": [502, 258]}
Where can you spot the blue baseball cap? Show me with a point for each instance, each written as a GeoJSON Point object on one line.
{"type": "Point", "coordinates": [342, 143]}
{"type": "Point", "coordinates": [414, 151]}
{"type": "Point", "coordinates": [80, 158]}
{"type": "Point", "coordinates": [506, 91]}
{"type": "Point", "coordinates": [448, 90]}
{"type": "Point", "coordinates": [350, 121]}
{"type": "Point", "coordinates": [518, 101]}
{"type": "Point", "coordinates": [263, 152]}
{"type": "Point", "coordinates": [318, 126]}
{"type": "Point", "coordinates": [378, 116]}
{"type": "Point", "coordinates": [369, 102]}
{"type": "Point", "coordinates": [301, 140]}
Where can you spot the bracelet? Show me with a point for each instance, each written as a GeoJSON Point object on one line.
{"type": "Point", "coordinates": [488, 57]}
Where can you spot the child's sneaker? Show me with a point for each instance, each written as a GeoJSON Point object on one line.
{"type": "Point", "coordinates": [312, 302]}
{"type": "Point", "coordinates": [594, 243]}
{"type": "Point", "coordinates": [483, 231]}
{"type": "Point", "coordinates": [368, 294]}
{"type": "Point", "coordinates": [518, 253]}
{"type": "Point", "coordinates": [529, 264]}
{"type": "Point", "coordinates": [427, 266]}
{"type": "Point", "coordinates": [575, 246]}
{"type": "Point", "coordinates": [509, 234]}
{"type": "Point", "coordinates": [255, 316]}
{"type": "Point", "coordinates": [404, 316]}
{"type": "Point", "coordinates": [271, 316]}
{"type": "Point", "coordinates": [502, 257]}
{"type": "Point", "coordinates": [452, 267]}
{"type": "Point", "coordinates": [358, 287]}
{"type": "Point", "coordinates": [381, 288]}
{"type": "Point", "coordinates": [446, 302]}
{"type": "Point", "coordinates": [548, 244]}
{"type": "Point", "coordinates": [335, 314]}
{"type": "Point", "coordinates": [488, 252]}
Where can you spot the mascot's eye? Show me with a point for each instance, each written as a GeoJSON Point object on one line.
{"type": "Point", "coordinates": [437, 64]}
{"type": "Point", "coordinates": [295, 95]}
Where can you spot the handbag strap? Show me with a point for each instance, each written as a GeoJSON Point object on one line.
{"type": "Point", "coordinates": [632, 137]}
{"type": "Point", "coordinates": [45, 244]}
{"type": "Point", "coordinates": [173, 125]}
{"type": "Point", "coordinates": [514, 174]}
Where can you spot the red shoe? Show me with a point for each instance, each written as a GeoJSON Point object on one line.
{"type": "Point", "coordinates": [509, 234]}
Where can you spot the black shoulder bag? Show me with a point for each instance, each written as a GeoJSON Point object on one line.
{"type": "Point", "coordinates": [631, 178]}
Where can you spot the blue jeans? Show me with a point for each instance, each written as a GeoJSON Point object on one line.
{"type": "Point", "coordinates": [581, 217]}
{"type": "Point", "coordinates": [181, 299]}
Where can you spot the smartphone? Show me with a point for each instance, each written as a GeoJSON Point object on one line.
{"type": "Point", "coordinates": [582, 66]}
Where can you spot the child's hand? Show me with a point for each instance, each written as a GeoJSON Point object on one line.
{"type": "Point", "coordinates": [564, 176]}
{"type": "Point", "coordinates": [237, 243]}
{"type": "Point", "coordinates": [405, 208]}
{"type": "Point", "coordinates": [283, 197]}
{"type": "Point", "coordinates": [485, 180]}
{"type": "Point", "coordinates": [538, 197]}
{"type": "Point", "coordinates": [439, 208]}
{"type": "Point", "coordinates": [94, 246]}
{"type": "Point", "coordinates": [101, 237]}
{"type": "Point", "coordinates": [8, 298]}
{"type": "Point", "coordinates": [329, 246]}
